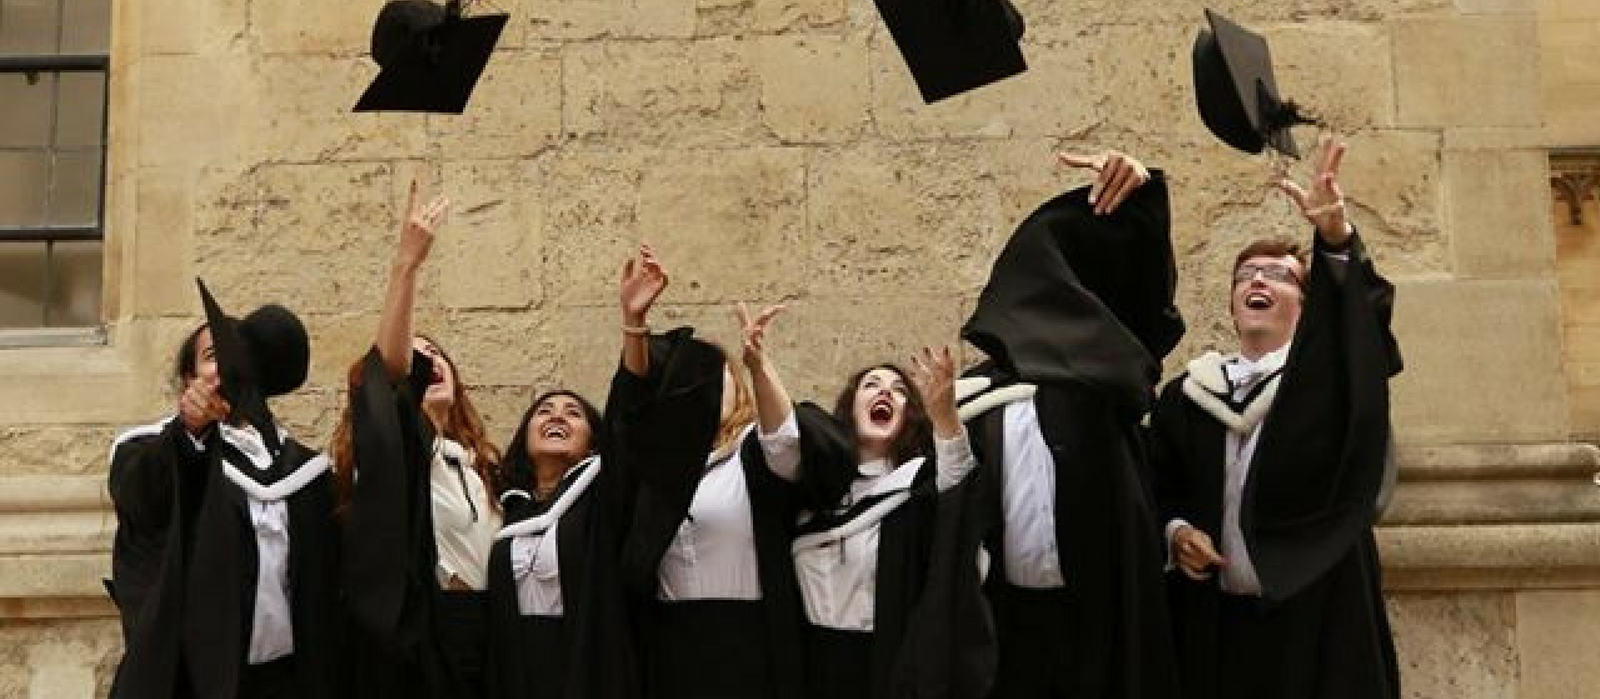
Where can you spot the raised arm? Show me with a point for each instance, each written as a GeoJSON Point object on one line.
{"type": "Point", "coordinates": [779, 434]}
{"type": "Point", "coordinates": [643, 280]}
{"type": "Point", "coordinates": [395, 325]}
{"type": "Point", "coordinates": [935, 375]}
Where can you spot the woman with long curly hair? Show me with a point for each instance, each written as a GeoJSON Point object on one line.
{"type": "Point", "coordinates": [417, 475]}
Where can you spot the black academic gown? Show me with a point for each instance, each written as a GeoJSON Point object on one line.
{"type": "Point", "coordinates": [829, 463]}
{"type": "Point", "coordinates": [1081, 306]}
{"type": "Point", "coordinates": [184, 571]}
{"type": "Point", "coordinates": [1308, 507]}
{"type": "Point", "coordinates": [666, 437]}
{"type": "Point", "coordinates": [392, 595]}
{"type": "Point", "coordinates": [595, 656]}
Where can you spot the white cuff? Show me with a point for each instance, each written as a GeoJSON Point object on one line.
{"type": "Point", "coordinates": [1172, 530]}
{"type": "Point", "coordinates": [953, 459]}
{"type": "Point", "coordinates": [782, 448]}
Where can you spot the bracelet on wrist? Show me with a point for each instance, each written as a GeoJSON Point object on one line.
{"type": "Point", "coordinates": [640, 330]}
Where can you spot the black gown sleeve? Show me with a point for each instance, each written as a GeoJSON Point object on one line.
{"type": "Point", "coordinates": [1075, 297]}
{"type": "Point", "coordinates": [146, 475]}
{"type": "Point", "coordinates": [1321, 458]}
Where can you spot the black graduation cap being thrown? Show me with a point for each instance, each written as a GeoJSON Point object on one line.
{"type": "Point", "coordinates": [1235, 90]}
{"type": "Point", "coordinates": [265, 354]}
{"type": "Point", "coordinates": [952, 46]}
{"type": "Point", "coordinates": [429, 56]}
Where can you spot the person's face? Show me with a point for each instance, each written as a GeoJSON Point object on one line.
{"type": "Point", "coordinates": [880, 406]}
{"type": "Point", "coordinates": [205, 357]}
{"type": "Point", "coordinates": [441, 393]}
{"type": "Point", "coordinates": [1266, 296]}
{"type": "Point", "coordinates": [560, 428]}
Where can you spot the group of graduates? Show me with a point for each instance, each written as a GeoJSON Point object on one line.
{"type": "Point", "coordinates": [1047, 525]}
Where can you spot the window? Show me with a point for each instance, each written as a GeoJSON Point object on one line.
{"type": "Point", "coordinates": [53, 93]}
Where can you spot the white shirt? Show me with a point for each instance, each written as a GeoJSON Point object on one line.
{"type": "Point", "coordinates": [464, 524]}
{"type": "Point", "coordinates": [535, 553]}
{"type": "Point", "coordinates": [837, 569]}
{"type": "Point", "coordinates": [1238, 576]}
{"type": "Point", "coordinates": [1028, 501]}
{"type": "Point", "coordinates": [713, 553]}
{"type": "Point", "coordinates": [271, 626]}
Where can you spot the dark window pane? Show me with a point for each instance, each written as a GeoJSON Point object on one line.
{"type": "Point", "coordinates": [86, 26]}
{"type": "Point", "coordinates": [24, 177]}
{"type": "Point", "coordinates": [25, 116]}
{"type": "Point", "coordinates": [28, 26]}
{"type": "Point", "coordinates": [21, 284]}
{"type": "Point", "coordinates": [75, 200]}
{"type": "Point", "coordinates": [75, 269]}
{"type": "Point", "coordinates": [78, 114]}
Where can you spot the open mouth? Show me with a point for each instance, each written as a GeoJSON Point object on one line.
{"type": "Point", "coordinates": [1259, 301]}
{"type": "Point", "coordinates": [555, 431]}
{"type": "Point", "coordinates": [881, 412]}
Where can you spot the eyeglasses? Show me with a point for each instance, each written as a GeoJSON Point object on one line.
{"type": "Point", "coordinates": [1281, 273]}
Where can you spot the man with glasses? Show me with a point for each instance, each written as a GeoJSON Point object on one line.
{"type": "Point", "coordinates": [1270, 464]}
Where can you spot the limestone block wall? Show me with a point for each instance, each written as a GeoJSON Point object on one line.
{"type": "Point", "coordinates": [776, 150]}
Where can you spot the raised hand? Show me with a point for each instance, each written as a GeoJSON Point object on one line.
{"type": "Point", "coordinates": [201, 405]}
{"type": "Point", "coordinates": [753, 331]}
{"type": "Point", "coordinates": [422, 221]}
{"type": "Point", "coordinates": [1117, 175]}
{"type": "Point", "coordinates": [643, 280]}
{"type": "Point", "coordinates": [1323, 202]}
{"type": "Point", "coordinates": [934, 373]}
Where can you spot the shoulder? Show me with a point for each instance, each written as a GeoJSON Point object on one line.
{"type": "Point", "coordinates": [139, 437]}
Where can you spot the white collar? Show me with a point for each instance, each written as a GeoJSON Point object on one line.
{"type": "Point", "coordinates": [590, 468]}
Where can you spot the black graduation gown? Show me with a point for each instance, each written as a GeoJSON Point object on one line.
{"type": "Point", "coordinates": [596, 657]}
{"type": "Point", "coordinates": [829, 464]}
{"type": "Point", "coordinates": [1081, 306]}
{"type": "Point", "coordinates": [184, 571]}
{"type": "Point", "coordinates": [1308, 505]}
{"type": "Point", "coordinates": [665, 438]}
{"type": "Point", "coordinates": [391, 593]}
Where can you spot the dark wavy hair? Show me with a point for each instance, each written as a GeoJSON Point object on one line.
{"type": "Point", "coordinates": [516, 470]}
{"type": "Point", "coordinates": [916, 430]}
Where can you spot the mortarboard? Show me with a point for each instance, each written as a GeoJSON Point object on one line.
{"type": "Point", "coordinates": [1235, 90]}
{"type": "Point", "coordinates": [429, 57]}
{"type": "Point", "coordinates": [265, 354]}
{"type": "Point", "coordinates": [952, 46]}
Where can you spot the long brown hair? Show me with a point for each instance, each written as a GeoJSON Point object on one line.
{"type": "Point", "coordinates": [463, 424]}
{"type": "Point", "coordinates": [916, 430]}
{"type": "Point", "coordinates": [744, 407]}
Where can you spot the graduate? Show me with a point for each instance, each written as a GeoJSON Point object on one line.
{"type": "Point", "coordinates": [707, 555]}
{"type": "Point", "coordinates": [558, 615]}
{"type": "Point", "coordinates": [1270, 462]}
{"type": "Point", "coordinates": [416, 475]}
{"type": "Point", "coordinates": [1075, 318]}
{"type": "Point", "coordinates": [225, 562]}
{"type": "Point", "coordinates": [861, 555]}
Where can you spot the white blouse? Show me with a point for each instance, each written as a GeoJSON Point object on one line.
{"type": "Point", "coordinates": [464, 524]}
{"type": "Point", "coordinates": [1028, 501]}
{"type": "Point", "coordinates": [713, 553]}
{"type": "Point", "coordinates": [535, 554]}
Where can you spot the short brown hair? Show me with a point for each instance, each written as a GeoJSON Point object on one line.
{"type": "Point", "coordinates": [1272, 247]}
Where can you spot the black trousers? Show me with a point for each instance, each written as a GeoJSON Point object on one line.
{"type": "Point", "coordinates": [707, 649]}
{"type": "Point", "coordinates": [463, 628]}
{"type": "Point", "coordinates": [1035, 656]}
{"type": "Point", "coordinates": [838, 663]}
{"type": "Point", "coordinates": [275, 679]}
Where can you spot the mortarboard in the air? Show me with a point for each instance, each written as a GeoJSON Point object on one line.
{"type": "Point", "coordinates": [1235, 90]}
{"type": "Point", "coordinates": [952, 46]}
{"type": "Point", "coordinates": [429, 56]}
{"type": "Point", "coordinates": [265, 354]}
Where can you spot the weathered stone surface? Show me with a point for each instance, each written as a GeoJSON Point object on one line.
{"type": "Point", "coordinates": [921, 219]}
{"type": "Point", "coordinates": [1459, 645]}
{"type": "Point", "coordinates": [1556, 655]}
{"type": "Point", "coordinates": [813, 88]}
{"type": "Point", "coordinates": [492, 218]}
{"type": "Point", "coordinates": [778, 15]}
{"type": "Point", "coordinates": [162, 254]}
{"type": "Point", "coordinates": [515, 109]}
{"type": "Point", "coordinates": [55, 449]}
{"type": "Point", "coordinates": [1340, 71]}
{"type": "Point", "coordinates": [595, 19]}
{"type": "Point", "coordinates": [1495, 231]}
{"type": "Point", "coordinates": [699, 93]}
{"type": "Point", "coordinates": [308, 26]}
{"type": "Point", "coordinates": [1448, 393]}
{"type": "Point", "coordinates": [176, 27]}
{"type": "Point", "coordinates": [297, 109]}
{"type": "Point", "coordinates": [1467, 71]}
{"type": "Point", "coordinates": [187, 110]}
{"type": "Point", "coordinates": [51, 659]}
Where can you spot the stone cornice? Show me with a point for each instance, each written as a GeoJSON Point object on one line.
{"type": "Point", "coordinates": [1463, 517]}
{"type": "Point", "coordinates": [1574, 176]}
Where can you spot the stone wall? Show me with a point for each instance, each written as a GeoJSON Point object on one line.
{"type": "Point", "coordinates": [776, 150]}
